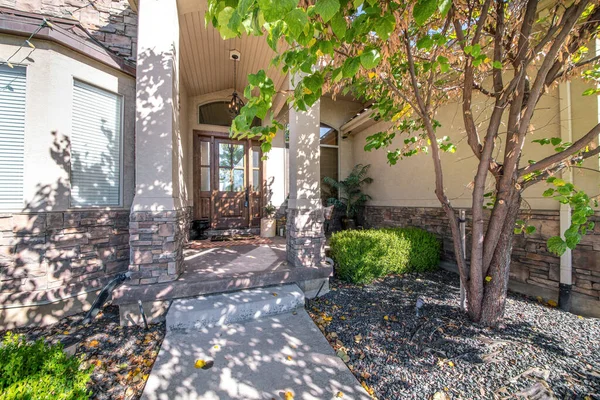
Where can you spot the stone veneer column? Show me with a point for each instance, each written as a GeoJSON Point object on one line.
{"type": "Point", "coordinates": [159, 217]}
{"type": "Point", "coordinates": [305, 237]}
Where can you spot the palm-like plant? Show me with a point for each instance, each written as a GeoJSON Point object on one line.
{"type": "Point", "coordinates": [351, 196]}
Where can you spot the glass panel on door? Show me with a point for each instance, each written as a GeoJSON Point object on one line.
{"type": "Point", "coordinates": [232, 167]}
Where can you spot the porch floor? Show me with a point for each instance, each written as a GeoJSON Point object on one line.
{"type": "Point", "coordinates": [224, 269]}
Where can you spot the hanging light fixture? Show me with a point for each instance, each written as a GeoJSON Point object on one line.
{"type": "Point", "coordinates": [236, 103]}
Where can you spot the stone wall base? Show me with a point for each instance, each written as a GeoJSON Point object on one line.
{"type": "Point", "coordinates": [305, 237]}
{"type": "Point", "coordinates": [155, 311]}
{"type": "Point", "coordinates": [532, 266]}
{"type": "Point", "coordinates": [156, 244]}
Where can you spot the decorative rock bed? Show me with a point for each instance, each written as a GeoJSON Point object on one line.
{"type": "Point", "coordinates": [538, 351]}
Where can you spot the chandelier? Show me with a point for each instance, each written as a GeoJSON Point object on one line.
{"type": "Point", "coordinates": [236, 102]}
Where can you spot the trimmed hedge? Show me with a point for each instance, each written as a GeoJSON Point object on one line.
{"type": "Point", "coordinates": [40, 371]}
{"type": "Point", "coordinates": [363, 255]}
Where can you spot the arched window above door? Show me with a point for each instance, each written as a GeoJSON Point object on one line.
{"type": "Point", "coordinates": [217, 113]}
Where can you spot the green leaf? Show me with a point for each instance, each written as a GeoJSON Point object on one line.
{"type": "Point", "coordinates": [423, 10]}
{"type": "Point", "coordinates": [444, 6]}
{"type": "Point", "coordinates": [370, 58]}
{"type": "Point", "coordinates": [425, 42]}
{"type": "Point", "coordinates": [327, 8]}
{"type": "Point", "coordinates": [384, 26]}
{"type": "Point", "coordinates": [338, 25]}
{"type": "Point", "coordinates": [556, 245]}
{"type": "Point", "coordinates": [497, 65]}
{"type": "Point", "coordinates": [555, 141]}
{"type": "Point", "coordinates": [224, 17]}
{"type": "Point", "coordinates": [590, 92]}
{"type": "Point", "coordinates": [572, 238]}
{"type": "Point", "coordinates": [530, 229]}
{"type": "Point", "coordinates": [274, 10]}
{"type": "Point", "coordinates": [313, 82]}
{"type": "Point", "coordinates": [350, 67]}
{"type": "Point", "coordinates": [548, 193]}
{"type": "Point", "coordinates": [296, 20]}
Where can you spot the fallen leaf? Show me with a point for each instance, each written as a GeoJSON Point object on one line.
{"type": "Point", "coordinates": [129, 392]}
{"type": "Point", "coordinates": [274, 294]}
{"type": "Point", "coordinates": [450, 364]}
{"type": "Point", "coordinates": [66, 332]}
{"type": "Point", "coordinates": [200, 364]}
{"type": "Point", "coordinates": [216, 347]}
{"type": "Point", "coordinates": [339, 394]}
{"type": "Point", "coordinates": [289, 358]}
{"type": "Point", "coordinates": [369, 390]}
{"type": "Point", "coordinates": [358, 338]}
{"type": "Point", "coordinates": [552, 303]}
{"type": "Point", "coordinates": [93, 343]}
{"type": "Point", "coordinates": [386, 317]}
{"type": "Point", "coordinates": [440, 396]}
{"type": "Point", "coordinates": [288, 395]}
{"type": "Point", "coordinates": [343, 318]}
{"type": "Point", "coordinates": [488, 278]}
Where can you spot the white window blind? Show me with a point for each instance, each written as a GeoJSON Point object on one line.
{"type": "Point", "coordinates": [95, 147]}
{"type": "Point", "coordinates": [12, 137]}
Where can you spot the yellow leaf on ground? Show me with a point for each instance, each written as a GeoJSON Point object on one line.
{"type": "Point", "coordinates": [343, 318]}
{"type": "Point", "coordinates": [289, 358]}
{"type": "Point", "coordinates": [386, 317]}
{"type": "Point", "coordinates": [339, 394]}
{"type": "Point", "coordinates": [65, 332]}
{"type": "Point", "coordinates": [288, 395]}
{"type": "Point", "coordinates": [450, 363]}
{"type": "Point", "coordinates": [274, 294]}
{"type": "Point", "coordinates": [200, 364]}
{"type": "Point", "coordinates": [552, 303]}
{"type": "Point", "coordinates": [216, 347]}
{"type": "Point", "coordinates": [358, 338]}
{"type": "Point", "coordinates": [93, 343]}
{"type": "Point", "coordinates": [488, 278]}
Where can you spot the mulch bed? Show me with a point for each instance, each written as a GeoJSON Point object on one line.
{"type": "Point", "coordinates": [122, 356]}
{"type": "Point", "coordinates": [538, 352]}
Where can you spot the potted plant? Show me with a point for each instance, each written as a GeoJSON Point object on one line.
{"type": "Point", "coordinates": [350, 196]}
{"type": "Point", "coordinates": [268, 222]}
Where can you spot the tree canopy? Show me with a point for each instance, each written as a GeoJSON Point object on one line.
{"type": "Point", "coordinates": [409, 58]}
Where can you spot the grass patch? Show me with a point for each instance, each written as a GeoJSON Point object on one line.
{"type": "Point", "coordinates": [363, 255]}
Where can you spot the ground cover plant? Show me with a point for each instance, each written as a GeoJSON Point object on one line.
{"type": "Point", "coordinates": [118, 359]}
{"type": "Point", "coordinates": [40, 371]}
{"type": "Point", "coordinates": [363, 255]}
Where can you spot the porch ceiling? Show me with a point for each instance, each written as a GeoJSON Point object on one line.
{"type": "Point", "coordinates": [205, 64]}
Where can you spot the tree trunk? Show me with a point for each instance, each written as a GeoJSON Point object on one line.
{"type": "Point", "coordinates": [490, 308]}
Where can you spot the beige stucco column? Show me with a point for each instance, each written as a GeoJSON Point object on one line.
{"type": "Point", "coordinates": [159, 217]}
{"type": "Point", "coordinates": [305, 237]}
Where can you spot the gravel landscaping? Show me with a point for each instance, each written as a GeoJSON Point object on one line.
{"type": "Point", "coordinates": [539, 352]}
{"type": "Point", "coordinates": [122, 356]}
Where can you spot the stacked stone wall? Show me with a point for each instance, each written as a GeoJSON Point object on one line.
{"type": "Point", "coordinates": [111, 22]}
{"type": "Point", "coordinates": [157, 240]}
{"type": "Point", "coordinates": [47, 257]}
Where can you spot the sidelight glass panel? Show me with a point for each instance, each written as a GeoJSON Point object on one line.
{"type": "Point", "coordinates": [256, 180]}
{"type": "Point", "coordinates": [204, 153]}
{"type": "Point", "coordinates": [205, 179]}
{"type": "Point", "coordinates": [255, 157]}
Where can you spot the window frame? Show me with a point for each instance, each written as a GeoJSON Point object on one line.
{"type": "Point", "coordinates": [121, 152]}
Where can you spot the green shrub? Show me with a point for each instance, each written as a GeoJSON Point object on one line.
{"type": "Point", "coordinates": [363, 255]}
{"type": "Point", "coordinates": [38, 371]}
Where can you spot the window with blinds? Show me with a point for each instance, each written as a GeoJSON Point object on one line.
{"type": "Point", "coordinates": [95, 147]}
{"type": "Point", "coordinates": [12, 137]}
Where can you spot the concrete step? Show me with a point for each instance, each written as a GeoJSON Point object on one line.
{"type": "Point", "coordinates": [227, 308]}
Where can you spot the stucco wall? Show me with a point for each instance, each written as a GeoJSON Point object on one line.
{"type": "Point", "coordinates": [411, 181]}
{"type": "Point", "coordinates": [50, 252]}
{"type": "Point", "coordinates": [112, 22]}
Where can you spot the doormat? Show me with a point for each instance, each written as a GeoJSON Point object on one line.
{"type": "Point", "coordinates": [230, 238]}
{"type": "Point", "coordinates": [207, 244]}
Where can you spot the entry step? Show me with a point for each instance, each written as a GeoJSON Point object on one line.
{"type": "Point", "coordinates": [227, 308]}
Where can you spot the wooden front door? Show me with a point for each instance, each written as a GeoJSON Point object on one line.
{"type": "Point", "coordinates": [227, 181]}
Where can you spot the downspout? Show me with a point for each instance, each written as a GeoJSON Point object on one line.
{"type": "Point", "coordinates": [566, 260]}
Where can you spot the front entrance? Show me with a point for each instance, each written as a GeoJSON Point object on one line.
{"type": "Point", "coordinates": [228, 181]}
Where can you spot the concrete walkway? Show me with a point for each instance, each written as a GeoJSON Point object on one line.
{"type": "Point", "coordinates": [259, 358]}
